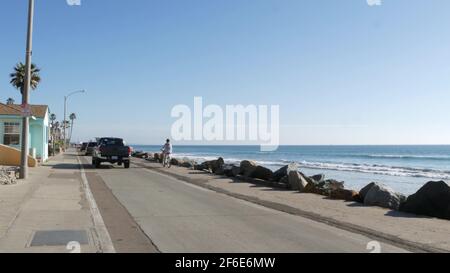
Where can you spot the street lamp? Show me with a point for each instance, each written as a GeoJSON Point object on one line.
{"type": "Point", "coordinates": [25, 123]}
{"type": "Point", "coordinates": [65, 111]}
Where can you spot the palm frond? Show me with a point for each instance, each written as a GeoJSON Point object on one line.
{"type": "Point", "coordinates": [18, 77]}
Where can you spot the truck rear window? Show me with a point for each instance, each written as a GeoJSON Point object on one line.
{"type": "Point", "coordinates": [111, 142]}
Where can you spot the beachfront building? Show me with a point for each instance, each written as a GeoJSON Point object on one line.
{"type": "Point", "coordinates": [11, 129]}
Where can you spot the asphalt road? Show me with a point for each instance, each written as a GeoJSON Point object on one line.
{"type": "Point", "coordinates": [181, 217]}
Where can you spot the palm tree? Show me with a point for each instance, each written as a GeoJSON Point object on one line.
{"type": "Point", "coordinates": [56, 135]}
{"type": "Point", "coordinates": [52, 132]}
{"type": "Point", "coordinates": [72, 117]}
{"type": "Point", "coordinates": [57, 131]}
{"type": "Point", "coordinates": [52, 119]}
{"type": "Point", "coordinates": [10, 101]}
{"type": "Point", "coordinates": [18, 77]}
{"type": "Point", "coordinates": [65, 124]}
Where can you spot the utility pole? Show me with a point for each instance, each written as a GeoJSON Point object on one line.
{"type": "Point", "coordinates": [65, 112]}
{"type": "Point", "coordinates": [64, 122]}
{"type": "Point", "coordinates": [26, 90]}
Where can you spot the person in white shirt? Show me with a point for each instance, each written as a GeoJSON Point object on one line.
{"type": "Point", "coordinates": [166, 150]}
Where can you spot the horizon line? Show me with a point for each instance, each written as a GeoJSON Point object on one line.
{"type": "Point", "coordinates": [293, 145]}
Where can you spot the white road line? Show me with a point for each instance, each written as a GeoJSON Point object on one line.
{"type": "Point", "coordinates": [100, 227]}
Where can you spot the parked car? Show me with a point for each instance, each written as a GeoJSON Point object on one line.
{"type": "Point", "coordinates": [112, 150]}
{"type": "Point", "coordinates": [83, 147]}
{"type": "Point", "coordinates": [90, 148]}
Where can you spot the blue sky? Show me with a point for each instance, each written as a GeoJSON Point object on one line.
{"type": "Point", "coordinates": [342, 72]}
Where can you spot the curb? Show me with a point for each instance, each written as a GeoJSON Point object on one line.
{"type": "Point", "coordinates": [104, 238]}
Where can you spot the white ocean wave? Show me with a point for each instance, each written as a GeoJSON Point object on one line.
{"type": "Point", "coordinates": [378, 169]}
{"type": "Point", "coordinates": [348, 167]}
{"type": "Point", "coordinates": [400, 156]}
{"type": "Point", "coordinates": [337, 166]}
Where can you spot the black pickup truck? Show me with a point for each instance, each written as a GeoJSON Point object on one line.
{"type": "Point", "coordinates": [112, 150]}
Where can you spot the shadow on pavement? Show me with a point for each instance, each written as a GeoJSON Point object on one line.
{"type": "Point", "coordinates": [400, 214]}
{"type": "Point", "coordinates": [357, 205]}
{"type": "Point", "coordinates": [72, 155]}
{"type": "Point", "coordinates": [66, 166]}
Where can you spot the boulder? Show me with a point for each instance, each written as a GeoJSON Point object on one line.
{"type": "Point", "coordinates": [224, 169]}
{"type": "Point", "coordinates": [324, 187]}
{"type": "Point", "coordinates": [201, 167]}
{"type": "Point", "coordinates": [312, 187]}
{"type": "Point", "coordinates": [187, 164]}
{"type": "Point", "coordinates": [358, 198]}
{"type": "Point", "coordinates": [214, 166]}
{"type": "Point", "coordinates": [331, 185]}
{"type": "Point", "coordinates": [236, 171]}
{"type": "Point", "coordinates": [247, 167]}
{"type": "Point", "coordinates": [261, 172]}
{"type": "Point", "coordinates": [279, 174]}
{"type": "Point", "coordinates": [318, 177]}
{"type": "Point", "coordinates": [141, 155]}
{"type": "Point", "coordinates": [217, 165]}
{"type": "Point", "coordinates": [284, 180]}
{"type": "Point", "coordinates": [157, 157]}
{"type": "Point", "coordinates": [297, 180]}
{"type": "Point", "coordinates": [433, 199]}
{"type": "Point", "coordinates": [228, 170]}
{"type": "Point", "coordinates": [220, 171]}
{"type": "Point", "coordinates": [383, 196]}
{"type": "Point", "coordinates": [344, 194]}
{"type": "Point", "coordinates": [175, 162]}
{"type": "Point", "coordinates": [363, 192]}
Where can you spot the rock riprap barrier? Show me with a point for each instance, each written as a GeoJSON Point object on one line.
{"type": "Point", "coordinates": [433, 199]}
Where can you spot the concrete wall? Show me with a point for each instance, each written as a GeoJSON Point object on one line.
{"type": "Point", "coordinates": [11, 157]}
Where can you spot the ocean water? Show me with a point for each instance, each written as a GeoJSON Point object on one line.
{"type": "Point", "coordinates": [403, 168]}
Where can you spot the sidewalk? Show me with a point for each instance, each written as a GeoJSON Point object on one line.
{"type": "Point", "coordinates": [45, 212]}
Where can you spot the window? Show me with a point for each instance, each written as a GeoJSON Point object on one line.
{"type": "Point", "coordinates": [12, 133]}
{"type": "Point", "coordinates": [111, 142]}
